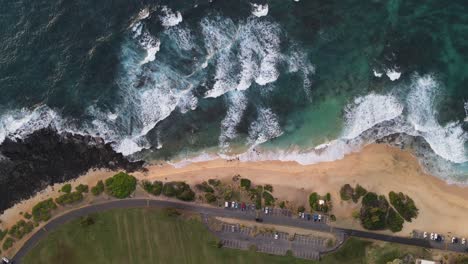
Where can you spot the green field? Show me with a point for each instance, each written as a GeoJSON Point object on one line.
{"type": "Point", "coordinates": [152, 236]}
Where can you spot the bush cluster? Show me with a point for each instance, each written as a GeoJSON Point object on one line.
{"type": "Point", "coordinates": [374, 210]}
{"type": "Point", "coordinates": [154, 188]}
{"type": "Point", "coordinates": [66, 188]}
{"type": "Point", "coordinates": [8, 243]}
{"type": "Point", "coordinates": [98, 189]}
{"type": "Point", "coordinates": [394, 221]}
{"type": "Point", "coordinates": [121, 185]}
{"type": "Point", "coordinates": [349, 193]}
{"type": "Point", "coordinates": [20, 229]}
{"type": "Point", "coordinates": [245, 183]}
{"type": "Point", "coordinates": [3, 233]}
{"type": "Point", "coordinates": [210, 197]}
{"type": "Point", "coordinates": [42, 210]}
{"type": "Point", "coordinates": [214, 182]}
{"type": "Point", "coordinates": [268, 187]}
{"type": "Point", "coordinates": [82, 188]}
{"type": "Point", "coordinates": [69, 198]}
{"type": "Point", "coordinates": [314, 199]}
{"type": "Point", "coordinates": [204, 187]}
{"type": "Point", "coordinates": [404, 205]}
{"type": "Point", "coordinates": [269, 199]}
{"type": "Point", "coordinates": [27, 215]}
{"type": "Point", "coordinates": [180, 190]}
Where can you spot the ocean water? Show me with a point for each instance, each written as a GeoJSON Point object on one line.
{"type": "Point", "coordinates": [303, 80]}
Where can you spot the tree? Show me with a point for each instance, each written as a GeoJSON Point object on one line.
{"type": "Point", "coordinates": [404, 205]}
{"type": "Point", "coordinates": [121, 185]}
{"type": "Point", "coordinates": [98, 189]}
{"type": "Point", "coordinates": [245, 183]}
{"type": "Point", "coordinates": [82, 188]}
{"type": "Point", "coordinates": [66, 188]}
{"type": "Point", "coordinates": [313, 201]}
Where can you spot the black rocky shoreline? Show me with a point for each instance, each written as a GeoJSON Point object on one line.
{"type": "Point", "coordinates": [46, 157]}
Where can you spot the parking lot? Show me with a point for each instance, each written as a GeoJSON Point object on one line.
{"type": "Point", "coordinates": [242, 237]}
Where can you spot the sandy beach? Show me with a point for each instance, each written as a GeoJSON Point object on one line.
{"type": "Point", "coordinates": [443, 208]}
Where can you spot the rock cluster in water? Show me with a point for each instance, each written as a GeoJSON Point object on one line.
{"type": "Point", "coordinates": [46, 157]}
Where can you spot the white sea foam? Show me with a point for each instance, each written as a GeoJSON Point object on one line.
{"type": "Point", "coordinates": [20, 123]}
{"type": "Point", "coordinates": [377, 74]}
{"type": "Point", "coordinates": [368, 111]}
{"type": "Point", "coordinates": [265, 127]}
{"type": "Point", "coordinates": [237, 106]}
{"type": "Point", "coordinates": [151, 46]}
{"type": "Point", "coordinates": [259, 10]}
{"type": "Point", "coordinates": [447, 141]}
{"type": "Point", "coordinates": [170, 18]}
{"type": "Point", "coordinates": [393, 74]}
{"type": "Point", "coordinates": [128, 146]}
{"type": "Point", "coordinates": [182, 36]}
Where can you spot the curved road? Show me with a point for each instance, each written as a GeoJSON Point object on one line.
{"type": "Point", "coordinates": [211, 211]}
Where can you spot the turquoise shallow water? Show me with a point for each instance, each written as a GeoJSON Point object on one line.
{"type": "Point", "coordinates": [169, 78]}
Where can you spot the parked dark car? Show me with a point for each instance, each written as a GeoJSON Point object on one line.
{"type": "Point", "coordinates": [258, 219]}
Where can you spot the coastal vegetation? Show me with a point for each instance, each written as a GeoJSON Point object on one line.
{"type": "Point", "coordinates": [121, 185]}
{"type": "Point", "coordinates": [154, 188]}
{"type": "Point", "coordinates": [66, 188]}
{"type": "Point", "coordinates": [349, 193]}
{"type": "Point", "coordinates": [3, 233]}
{"type": "Point", "coordinates": [8, 243]}
{"type": "Point", "coordinates": [69, 198]}
{"type": "Point", "coordinates": [20, 229]}
{"type": "Point", "coordinates": [320, 203]}
{"type": "Point", "coordinates": [82, 188]}
{"type": "Point", "coordinates": [376, 212]}
{"type": "Point", "coordinates": [204, 187]}
{"type": "Point", "coordinates": [404, 205]}
{"type": "Point", "coordinates": [179, 190]}
{"type": "Point", "coordinates": [98, 189]}
{"type": "Point", "coordinates": [245, 183]}
{"type": "Point", "coordinates": [42, 210]}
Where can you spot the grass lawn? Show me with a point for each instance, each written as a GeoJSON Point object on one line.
{"type": "Point", "coordinates": [151, 236]}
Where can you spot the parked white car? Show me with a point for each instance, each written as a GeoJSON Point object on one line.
{"type": "Point", "coordinates": [432, 236]}
{"type": "Point", "coordinates": [266, 210]}
{"type": "Point", "coordinates": [425, 235]}
{"type": "Point", "coordinates": [276, 236]}
{"type": "Point", "coordinates": [463, 241]}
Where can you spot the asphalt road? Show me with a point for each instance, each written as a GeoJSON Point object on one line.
{"type": "Point", "coordinates": [212, 211]}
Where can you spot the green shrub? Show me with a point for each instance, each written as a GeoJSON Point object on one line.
{"type": "Point", "coordinates": [154, 188]}
{"type": "Point", "coordinates": [258, 201]}
{"type": "Point", "coordinates": [42, 210]}
{"type": "Point", "coordinates": [346, 192]}
{"type": "Point", "coordinates": [27, 216]}
{"type": "Point", "coordinates": [8, 243]}
{"type": "Point", "coordinates": [394, 221]}
{"type": "Point", "coordinates": [269, 199]}
{"type": "Point", "coordinates": [180, 190]}
{"type": "Point", "coordinates": [268, 187]}
{"type": "Point", "coordinates": [359, 191]}
{"type": "Point", "coordinates": [20, 229]}
{"type": "Point", "coordinates": [69, 198]}
{"type": "Point", "coordinates": [3, 233]}
{"type": "Point", "coordinates": [228, 194]}
{"type": "Point", "coordinates": [246, 183]}
{"type": "Point", "coordinates": [332, 218]}
{"type": "Point", "coordinates": [82, 188]}
{"type": "Point", "coordinates": [374, 211]}
{"type": "Point", "coordinates": [186, 195]}
{"type": "Point", "coordinates": [210, 197]}
{"type": "Point", "coordinates": [313, 201]}
{"type": "Point", "coordinates": [214, 182]}
{"type": "Point", "coordinates": [204, 187]}
{"type": "Point", "coordinates": [121, 185]}
{"type": "Point", "coordinates": [66, 188]}
{"type": "Point", "coordinates": [301, 209]}
{"type": "Point", "coordinates": [282, 204]}
{"type": "Point", "coordinates": [404, 205]}
{"type": "Point", "coordinates": [98, 189]}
